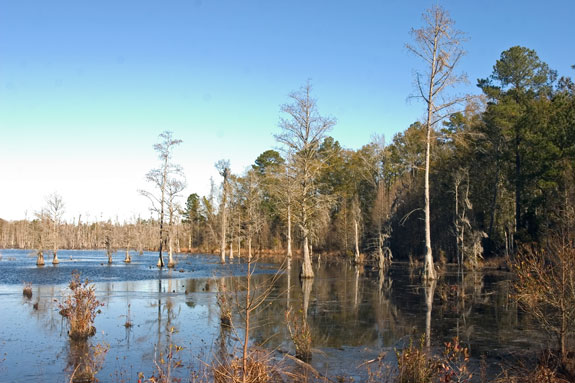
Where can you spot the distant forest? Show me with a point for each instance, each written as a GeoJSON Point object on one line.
{"type": "Point", "coordinates": [502, 172]}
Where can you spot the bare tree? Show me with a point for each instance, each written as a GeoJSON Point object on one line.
{"type": "Point", "coordinates": [545, 287]}
{"type": "Point", "coordinates": [223, 167]}
{"type": "Point", "coordinates": [175, 187]}
{"type": "Point", "coordinates": [250, 189]}
{"type": "Point", "coordinates": [40, 226]}
{"type": "Point", "coordinates": [54, 211]}
{"type": "Point", "coordinates": [161, 178]}
{"type": "Point", "coordinates": [439, 46]}
{"type": "Point", "coordinates": [302, 133]}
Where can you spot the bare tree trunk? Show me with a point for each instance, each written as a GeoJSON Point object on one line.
{"type": "Point", "coordinates": [55, 260]}
{"type": "Point", "coordinates": [171, 263]}
{"type": "Point", "coordinates": [289, 251]}
{"type": "Point", "coordinates": [160, 257]}
{"type": "Point", "coordinates": [356, 288]}
{"type": "Point", "coordinates": [306, 285]}
{"type": "Point", "coordinates": [457, 229]}
{"type": "Point", "coordinates": [40, 259]}
{"type": "Point", "coordinates": [429, 270]}
{"type": "Point", "coordinates": [355, 223]}
{"type": "Point", "coordinates": [239, 238]}
{"type": "Point", "coordinates": [128, 258]}
{"type": "Point", "coordinates": [288, 272]}
{"type": "Point", "coordinates": [223, 232]}
{"type": "Point", "coordinates": [306, 269]}
{"type": "Point", "coordinates": [438, 44]}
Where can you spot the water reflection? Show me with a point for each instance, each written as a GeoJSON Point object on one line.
{"type": "Point", "coordinates": [353, 315]}
{"type": "Point", "coordinates": [85, 360]}
{"type": "Point", "coordinates": [429, 288]}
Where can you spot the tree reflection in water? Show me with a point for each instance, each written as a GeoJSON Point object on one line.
{"type": "Point", "coordinates": [85, 360]}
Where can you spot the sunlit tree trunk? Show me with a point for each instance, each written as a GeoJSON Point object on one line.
{"type": "Point", "coordinates": [438, 44]}
{"type": "Point", "coordinates": [40, 259]}
{"type": "Point", "coordinates": [128, 258]}
{"type": "Point", "coordinates": [356, 238]}
{"type": "Point", "coordinates": [289, 250]}
{"type": "Point", "coordinates": [223, 167]}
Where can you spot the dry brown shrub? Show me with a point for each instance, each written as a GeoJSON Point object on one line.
{"type": "Point", "coordinates": [259, 369]}
{"type": "Point", "coordinates": [80, 307]}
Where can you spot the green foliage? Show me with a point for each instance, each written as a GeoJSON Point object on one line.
{"type": "Point", "coordinates": [268, 161]}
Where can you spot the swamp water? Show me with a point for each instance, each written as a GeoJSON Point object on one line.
{"type": "Point", "coordinates": [354, 316]}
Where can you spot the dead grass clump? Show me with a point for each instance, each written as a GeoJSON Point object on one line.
{"type": "Point", "coordinates": [415, 365]}
{"type": "Point", "coordinates": [300, 334]}
{"type": "Point", "coordinates": [27, 291]}
{"type": "Point", "coordinates": [258, 369]}
{"type": "Point", "coordinates": [80, 307]}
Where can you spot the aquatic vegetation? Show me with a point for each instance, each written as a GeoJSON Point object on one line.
{"type": "Point", "coordinates": [415, 364]}
{"type": "Point", "coordinates": [80, 307]}
{"type": "Point", "coordinates": [258, 369]}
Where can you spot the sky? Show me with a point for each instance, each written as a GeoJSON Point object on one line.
{"type": "Point", "coordinates": [87, 86]}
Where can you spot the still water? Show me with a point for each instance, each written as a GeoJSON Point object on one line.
{"type": "Point", "coordinates": [354, 315]}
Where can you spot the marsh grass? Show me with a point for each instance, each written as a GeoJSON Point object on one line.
{"type": "Point", "coordinates": [258, 369]}
{"type": "Point", "coordinates": [80, 308]}
{"type": "Point", "coordinates": [415, 364]}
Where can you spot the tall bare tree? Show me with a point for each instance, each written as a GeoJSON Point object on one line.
{"type": "Point", "coordinates": [55, 211]}
{"type": "Point", "coordinates": [223, 167]}
{"type": "Point", "coordinates": [175, 187]}
{"type": "Point", "coordinates": [302, 133]}
{"type": "Point", "coordinates": [438, 44]}
{"type": "Point", "coordinates": [161, 178]}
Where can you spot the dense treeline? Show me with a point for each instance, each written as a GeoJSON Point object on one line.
{"type": "Point", "coordinates": [139, 235]}
{"type": "Point", "coordinates": [501, 174]}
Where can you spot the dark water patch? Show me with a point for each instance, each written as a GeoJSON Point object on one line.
{"type": "Point", "coordinates": [19, 266]}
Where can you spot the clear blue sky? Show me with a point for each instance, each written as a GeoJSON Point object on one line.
{"type": "Point", "coordinates": [87, 86]}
